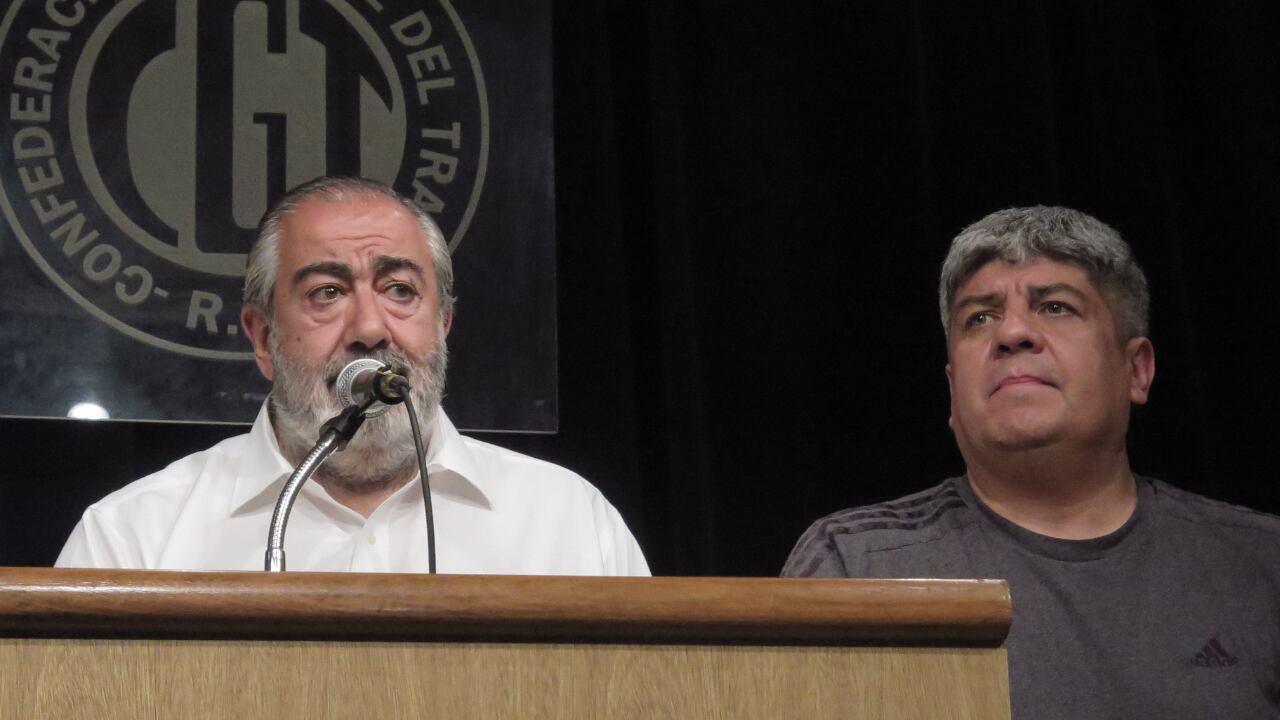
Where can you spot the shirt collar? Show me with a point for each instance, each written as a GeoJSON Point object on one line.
{"type": "Point", "coordinates": [262, 469]}
{"type": "Point", "coordinates": [1059, 548]}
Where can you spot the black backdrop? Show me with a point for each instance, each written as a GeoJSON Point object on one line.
{"type": "Point", "coordinates": [752, 203]}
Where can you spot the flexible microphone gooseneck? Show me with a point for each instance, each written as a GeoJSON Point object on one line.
{"type": "Point", "coordinates": [334, 436]}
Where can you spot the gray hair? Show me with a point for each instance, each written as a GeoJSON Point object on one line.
{"type": "Point", "coordinates": [264, 254]}
{"type": "Point", "coordinates": [1058, 233]}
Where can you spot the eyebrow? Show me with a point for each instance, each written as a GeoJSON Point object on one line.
{"type": "Point", "coordinates": [382, 265]}
{"type": "Point", "coordinates": [342, 271]}
{"type": "Point", "coordinates": [387, 264]}
{"type": "Point", "coordinates": [1035, 293]}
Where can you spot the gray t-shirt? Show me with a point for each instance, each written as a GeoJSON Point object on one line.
{"type": "Point", "coordinates": [1174, 615]}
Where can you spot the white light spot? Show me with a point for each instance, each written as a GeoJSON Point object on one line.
{"type": "Point", "coordinates": [88, 411]}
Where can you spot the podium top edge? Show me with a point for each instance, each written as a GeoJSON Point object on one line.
{"type": "Point", "coordinates": [485, 608]}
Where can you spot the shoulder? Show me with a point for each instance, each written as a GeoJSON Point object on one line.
{"type": "Point", "coordinates": [1211, 538]}
{"type": "Point", "coordinates": [501, 465]}
{"type": "Point", "coordinates": [572, 514]}
{"type": "Point", "coordinates": [843, 537]}
{"type": "Point", "coordinates": [127, 528]}
{"type": "Point", "coordinates": [515, 482]}
{"type": "Point", "coordinates": [1194, 510]}
{"type": "Point", "coordinates": [174, 483]}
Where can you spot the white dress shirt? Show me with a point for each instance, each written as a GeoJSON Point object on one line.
{"type": "Point", "coordinates": [496, 512]}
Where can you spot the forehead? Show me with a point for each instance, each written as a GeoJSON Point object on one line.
{"type": "Point", "coordinates": [355, 226]}
{"type": "Point", "coordinates": [1015, 278]}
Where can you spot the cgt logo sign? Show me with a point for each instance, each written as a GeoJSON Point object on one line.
{"type": "Point", "coordinates": [143, 139]}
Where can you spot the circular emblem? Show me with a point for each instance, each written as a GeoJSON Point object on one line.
{"type": "Point", "coordinates": [145, 139]}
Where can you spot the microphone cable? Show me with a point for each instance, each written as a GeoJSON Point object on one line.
{"type": "Point", "coordinates": [402, 385]}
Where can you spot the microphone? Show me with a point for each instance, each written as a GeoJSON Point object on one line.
{"type": "Point", "coordinates": [372, 385]}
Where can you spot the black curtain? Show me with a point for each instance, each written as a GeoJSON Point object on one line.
{"type": "Point", "coordinates": [753, 202]}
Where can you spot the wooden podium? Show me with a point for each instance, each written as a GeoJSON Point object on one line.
{"type": "Point", "coordinates": [139, 644]}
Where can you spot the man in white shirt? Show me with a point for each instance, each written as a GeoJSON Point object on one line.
{"type": "Point", "coordinates": [346, 268]}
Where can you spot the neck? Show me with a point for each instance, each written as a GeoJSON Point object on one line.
{"type": "Point", "coordinates": [1072, 498]}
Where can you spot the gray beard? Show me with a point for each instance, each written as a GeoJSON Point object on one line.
{"type": "Point", "coordinates": [381, 452]}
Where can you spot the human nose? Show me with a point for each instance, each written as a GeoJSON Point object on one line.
{"type": "Point", "coordinates": [366, 324]}
{"type": "Point", "coordinates": [1018, 332]}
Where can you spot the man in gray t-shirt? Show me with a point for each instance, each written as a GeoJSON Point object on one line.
{"type": "Point", "coordinates": [1131, 599]}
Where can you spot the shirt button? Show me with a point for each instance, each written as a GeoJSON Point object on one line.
{"type": "Point", "coordinates": [373, 539]}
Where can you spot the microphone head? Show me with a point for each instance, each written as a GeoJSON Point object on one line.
{"type": "Point", "coordinates": [355, 385]}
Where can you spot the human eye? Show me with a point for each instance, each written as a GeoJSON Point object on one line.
{"type": "Point", "coordinates": [1056, 307]}
{"type": "Point", "coordinates": [325, 294]}
{"type": "Point", "coordinates": [401, 291]}
{"type": "Point", "coordinates": [982, 317]}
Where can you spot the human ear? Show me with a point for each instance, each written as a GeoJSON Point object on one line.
{"type": "Point", "coordinates": [1140, 355]}
{"type": "Point", "coordinates": [951, 393]}
{"type": "Point", "coordinates": [257, 326]}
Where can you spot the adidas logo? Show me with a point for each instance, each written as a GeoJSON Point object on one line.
{"type": "Point", "coordinates": [1214, 655]}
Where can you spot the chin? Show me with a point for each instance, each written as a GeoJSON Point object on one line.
{"type": "Point", "coordinates": [1027, 426]}
{"type": "Point", "coordinates": [1025, 435]}
{"type": "Point", "coordinates": [1023, 443]}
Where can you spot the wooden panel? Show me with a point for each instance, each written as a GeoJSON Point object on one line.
{"type": "Point", "coordinates": [108, 679]}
